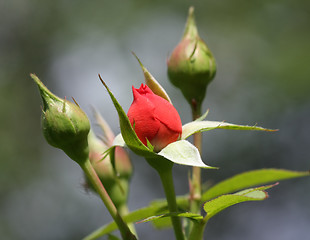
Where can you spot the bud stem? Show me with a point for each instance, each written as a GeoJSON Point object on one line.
{"type": "Point", "coordinates": [166, 179]}
{"type": "Point", "coordinates": [123, 210]}
{"type": "Point", "coordinates": [94, 179]}
{"type": "Point", "coordinates": [198, 229]}
{"type": "Point", "coordinates": [164, 169]}
{"type": "Point", "coordinates": [196, 174]}
{"type": "Point", "coordinates": [195, 189]}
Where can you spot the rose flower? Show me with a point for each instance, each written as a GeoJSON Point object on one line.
{"type": "Point", "coordinates": [153, 118]}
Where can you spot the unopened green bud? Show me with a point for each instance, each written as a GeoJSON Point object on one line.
{"type": "Point", "coordinates": [191, 66]}
{"type": "Point", "coordinates": [123, 164]}
{"type": "Point", "coordinates": [115, 181]}
{"type": "Point", "coordinates": [64, 124]}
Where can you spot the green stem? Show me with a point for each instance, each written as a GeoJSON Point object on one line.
{"type": "Point", "coordinates": [196, 178]}
{"type": "Point", "coordinates": [92, 176]}
{"type": "Point", "coordinates": [167, 181]}
{"type": "Point", "coordinates": [195, 193]}
{"type": "Point", "coordinates": [195, 182]}
{"type": "Point", "coordinates": [197, 230]}
{"type": "Point", "coordinates": [164, 169]}
{"type": "Point", "coordinates": [123, 210]}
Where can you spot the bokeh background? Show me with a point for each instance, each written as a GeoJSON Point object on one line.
{"type": "Point", "coordinates": [262, 50]}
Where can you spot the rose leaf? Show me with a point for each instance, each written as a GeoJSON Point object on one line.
{"type": "Point", "coordinates": [202, 126]}
{"type": "Point", "coordinates": [224, 201]}
{"type": "Point", "coordinates": [250, 179]}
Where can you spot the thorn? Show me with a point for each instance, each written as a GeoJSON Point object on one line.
{"type": "Point", "coordinates": [75, 101]}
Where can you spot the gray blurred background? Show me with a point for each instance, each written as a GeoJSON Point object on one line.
{"type": "Point", "coordinates": [262, 50]}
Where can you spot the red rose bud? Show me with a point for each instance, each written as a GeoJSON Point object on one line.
{"type": "Point", "coordinates": [153, 118]}
{"type": "Point", "coordinates": [191, 66]}
{"type": "Point", "coordinates": [64, 124]}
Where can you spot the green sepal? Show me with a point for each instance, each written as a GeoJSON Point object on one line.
{"type": "Point", "coordinates": [152, 83]}
{"type": "Point", "coordinates": [149, 145]}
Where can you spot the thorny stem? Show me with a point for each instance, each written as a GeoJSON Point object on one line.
{"type": "Point", "coordinates": [93, 177]}
{"type": "Point", "coordinates": [195, 181]}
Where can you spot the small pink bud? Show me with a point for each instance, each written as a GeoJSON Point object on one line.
{"type": "Point", "coordinates": [191, 66]}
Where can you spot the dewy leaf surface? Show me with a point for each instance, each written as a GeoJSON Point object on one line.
{"type": "Point", "coordinates": [183, 152]}
{"type": "Point", "coordinates": [202, 126]}
{"type": "Point", "coordinates": [222, 202]}
{"type": "Point", "coordinates": [250, 179]}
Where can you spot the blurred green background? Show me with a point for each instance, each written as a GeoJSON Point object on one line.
{"type": "Point", "coordinates": [262, 50]}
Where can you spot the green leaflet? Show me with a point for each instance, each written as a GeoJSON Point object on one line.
{"type": "Point", "coordinates": [155, 208]}
{"type": "Point", "coordinates": [250, 179]}
{"type": "Point", "coordinates": [222, 202]}
{"type": "Point", "coordinates": [192, 216]}
{"type": "Point", "coordinates": [233, 184]}
{"type": "Point", "coordinates": [202, 126]}
{"type": "Point", "coordinates": [162, 223]}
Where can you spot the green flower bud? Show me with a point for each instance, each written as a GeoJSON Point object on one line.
{"type": "Point", "coordinates": [115, 181]}
{"type": "Point", "coordinates": [64, 124]}
{"type": "Point", "coordinates": [191, 66]}
{"type": "Point", "coordinates": [123, 164]}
